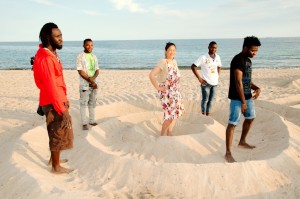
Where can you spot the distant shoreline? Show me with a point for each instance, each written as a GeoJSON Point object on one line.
{"type": "Point", "coordinates": [120, 40]}
{"type": "Point", "coordinates": [180, 67]}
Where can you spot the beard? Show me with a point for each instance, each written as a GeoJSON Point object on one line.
{"type": "Point", "coordinates": [59, 47]}
{"type": "Point", "coordinates": [55, 45]}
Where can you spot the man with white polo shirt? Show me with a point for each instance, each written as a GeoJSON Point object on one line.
{"type": "Point", "coordinates": [210, 64]}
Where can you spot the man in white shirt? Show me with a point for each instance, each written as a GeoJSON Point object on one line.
{"type": "Point", "coordinates": [88, 68]}
{"type": "Point", "coordinates": [210, 64]}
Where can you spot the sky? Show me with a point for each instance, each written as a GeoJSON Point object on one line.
{"type": "Point", "coordinates": [22, 20]}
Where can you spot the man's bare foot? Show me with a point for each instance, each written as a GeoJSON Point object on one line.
{"type": "Point", "coordinates": [60, 161]}
{"type": "Point", "coordinates": [61, 170]}
{"type": "Point", "coordinates": [229, 158]}
{"type": "Point", "coordinates": [246, 146]}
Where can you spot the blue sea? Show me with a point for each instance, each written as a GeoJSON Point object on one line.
{"type": "Point", "coordinates": [143, 54]}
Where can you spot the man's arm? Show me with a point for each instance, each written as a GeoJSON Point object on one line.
{"type": "Point", "coordinates": [89, 79]}
{"type": "Point", "coordinates": [238, 75]}
{"type": "Point", "coordinates": [256, 90]}
{"type": "Point", "coordinates": [84, 75]}
{"type": "Point", "coordinates": [95, 86]}
{"type": "Point", "coordinates": [48, 75]}
{"type": "Point", "coordinates": [195, 71]}
{"type": "Point", "coordinates": [80, 67]}
{"type": "Point", "coordinates": [95, 75]}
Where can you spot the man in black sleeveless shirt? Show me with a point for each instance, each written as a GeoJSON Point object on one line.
{"type": "Point", "coordinates": [241, 98]}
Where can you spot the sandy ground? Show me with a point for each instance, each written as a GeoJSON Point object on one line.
{"type": "Point", "coordinates": [124, 156]}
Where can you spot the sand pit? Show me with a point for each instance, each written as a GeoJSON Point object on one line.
{"type": "Point", "coordinates": [124, 156]}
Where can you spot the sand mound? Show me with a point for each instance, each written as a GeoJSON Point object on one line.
{"type": "Point", "coordinates": [125, 153]}
{"type": "Point", "coordinates": [295, 84]}
{"type": "Point", "coordinates": [124, 156]}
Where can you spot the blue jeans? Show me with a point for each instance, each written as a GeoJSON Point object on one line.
{"type": "Point", "coordinates": [88, 99]}
{"type": "Point", "coordinates": [236, 111]}
{"type": "Point", "coordinates": [208, 96]}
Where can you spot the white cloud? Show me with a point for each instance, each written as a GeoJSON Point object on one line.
{"type": "Point", "coordinates": [128, 5]}
{"type": "Point", "coordinates": [44, 2]}
{"type": "Point", "coordinates": [91, 13]}
{"type": "Point", "coordinates": [49, 3]}
{"type": "Point", "coordinates": [159, 10]}
{"type": "Point", "coordinates": [131, 6]}
{"type": "Point", "coordinates": [289, 3]}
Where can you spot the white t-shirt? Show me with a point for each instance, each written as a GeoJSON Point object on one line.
{"type": "Point", "coordinates": [82, 63]}
{"type": "Point", "coordinates": [209, 68]}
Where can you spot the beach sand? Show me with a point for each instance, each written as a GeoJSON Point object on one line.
{"type": "Point", "coordinates": [124, 156]}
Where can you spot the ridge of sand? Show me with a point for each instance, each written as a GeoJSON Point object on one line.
{"type": "Point", "coordinates": [124, 156]}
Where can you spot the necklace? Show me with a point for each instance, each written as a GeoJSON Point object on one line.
{"type": "Point", "coordinates": [53, 53]}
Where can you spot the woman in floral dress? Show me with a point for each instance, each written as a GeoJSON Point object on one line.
{"type": "Point", "coordinates": [165, 78]}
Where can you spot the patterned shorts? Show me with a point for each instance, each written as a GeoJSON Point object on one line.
{"type": "Point", "coordinates": [59, 138]}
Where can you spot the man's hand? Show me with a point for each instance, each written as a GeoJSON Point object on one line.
{"type": "Point", "coordinates": [67, 120]}
{"type": "Point", "coordinates": [244, 108]}
{"type": "Point", "coordinates": [91, 79]}
{"type": "Point", "coordinates": [67, 104]}
{"type": "Point", "coordinates": [256, 93]}
{"type": "Point", "coordinates": [202, 82]}
{"type": "Point", "coordinates": [94, 85]}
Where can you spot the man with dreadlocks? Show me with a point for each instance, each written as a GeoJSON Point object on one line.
{"type": "Point", "coordinates": [48, 76]}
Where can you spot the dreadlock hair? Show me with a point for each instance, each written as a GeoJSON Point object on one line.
{"type": "Point", "coordinates": [46, 32]}
{"type": "Point", "coordinates": [251, 41]}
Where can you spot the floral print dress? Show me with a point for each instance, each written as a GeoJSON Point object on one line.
{"type": "Point", "coordinates": [171, 98]}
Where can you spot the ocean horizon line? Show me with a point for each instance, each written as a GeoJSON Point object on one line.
{"type": "Point", "coordinates": [109, 40]}
{"type": "Point", "coordinates": [149, 68]}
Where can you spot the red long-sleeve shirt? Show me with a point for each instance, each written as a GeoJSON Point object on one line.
{"type": "Point", "coordinates": [48, 76]}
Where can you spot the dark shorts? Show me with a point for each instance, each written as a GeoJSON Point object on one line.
{"type": "Point", "coordinates": [59, 138]}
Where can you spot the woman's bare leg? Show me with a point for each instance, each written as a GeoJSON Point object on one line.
{"type": "Point", "coordinates": [170, 129]}
{"type": "Point", "coordinates": [165, 126]}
